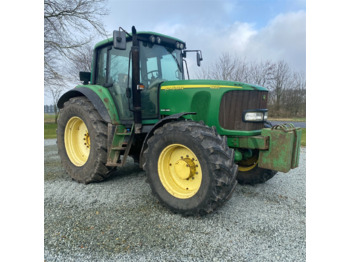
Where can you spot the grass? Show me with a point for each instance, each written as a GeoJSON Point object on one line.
{"type": "Point", "coordinates": [50, 130]}
{"type": "Point", "coordinates": [49, 118]}
{"type": "Point", "coordinates": [49, 126]}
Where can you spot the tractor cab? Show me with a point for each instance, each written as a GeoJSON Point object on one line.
{"type": "Point", "coordinates": [157, 57]}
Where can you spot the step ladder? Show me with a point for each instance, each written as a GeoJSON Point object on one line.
{"type": "Point", "coordinates": [120, 145]}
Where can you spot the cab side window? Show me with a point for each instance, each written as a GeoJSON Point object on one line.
{"type": "Point", "coordinates": [101, 66]}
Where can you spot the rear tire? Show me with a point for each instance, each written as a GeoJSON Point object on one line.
{"type": "Point", "coordinates": [82, 141]}
{"type": "Point", "coordinates": [190, 168]}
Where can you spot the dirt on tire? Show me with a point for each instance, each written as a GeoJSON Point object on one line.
{"type": "Point", "coordinates": [219, 170]}
{"type": "Point", "coordinates": [94, 170]}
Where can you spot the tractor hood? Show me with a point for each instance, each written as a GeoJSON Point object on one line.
{"type": "Point", "coordinates": [204, 98]}
{"type": "Point", "coordinates": [212, 84]}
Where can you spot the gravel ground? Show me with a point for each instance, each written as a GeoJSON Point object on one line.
{"type": "Point", "coordinates": [120, 220]}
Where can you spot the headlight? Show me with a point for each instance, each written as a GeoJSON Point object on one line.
{"type": "Point", "coordinates": [265, 116]}
{"type": "Point", "coordinates": [255, 116]}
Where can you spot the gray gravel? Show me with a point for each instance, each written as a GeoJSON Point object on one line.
{"type": "Point", "coordinates": [120, 220]}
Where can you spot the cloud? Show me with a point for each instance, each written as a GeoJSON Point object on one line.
{"type": "Point", "coordinates": [283, 38]}
{"type": "Point", "coordinates": [212, 27]}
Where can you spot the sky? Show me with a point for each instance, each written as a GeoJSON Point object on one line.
{"type": "Point", "coordinates": [251, 29]}
{"type": "Point", "coordinates": [254, 30]}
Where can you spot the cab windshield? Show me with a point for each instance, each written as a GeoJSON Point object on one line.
{"type": "Point", "coordinates": [157, 64]}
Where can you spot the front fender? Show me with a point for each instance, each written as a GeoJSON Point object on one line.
{"type": "Point", "coordinates": [157, 125]}
{"type": "Point", "coordinates": [99, 96]}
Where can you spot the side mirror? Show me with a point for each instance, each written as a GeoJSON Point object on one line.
{"type": "Point", "coordinates": [199, 58]}
{"type": "Point", "coordinates": [119, 40]}
{"type": "Point", "coordinates": [85, 77]}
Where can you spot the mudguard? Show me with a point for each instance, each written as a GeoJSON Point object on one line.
{"type": "Point", "coordinates": [101, 101]}
{"type": "Point", "coordinates": [156, 126]}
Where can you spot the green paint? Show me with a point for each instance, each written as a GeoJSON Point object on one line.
{"type": "Point", "coordinates": [201, 104]}
{"type": "Point", "coordinates": [251, 142]}
{"type": "Point", "coordinates": [217, 83]}
{"type": "Point", "coordinates": [150, 121]}
{"type": "Point", "coordinates": [284, 149]}
{"type": "Point", "coordinates": [238, 156]}
{"type": "Point", "coordinates": [203, 97]}
{"type": "Point", "coordinates": [117, 142]}
{"type": "Point", "coordinates": [107, 100]}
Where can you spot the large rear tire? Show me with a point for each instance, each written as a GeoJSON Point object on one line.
{"type": "Point", "coordinates": [82, 141]}
{"type": "Point", "coordinates": [190, 168]}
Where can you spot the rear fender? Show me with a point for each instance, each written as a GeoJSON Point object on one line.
{"type": "Point", "coordinates": [99, 97]}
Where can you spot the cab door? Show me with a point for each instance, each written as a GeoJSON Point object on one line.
{"type": "Point", "coordinates": [112, 73]}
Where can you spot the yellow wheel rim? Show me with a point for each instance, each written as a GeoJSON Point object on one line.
{"type": "Point", "coordinates": [179, 171]}
{"type": "Point", "coordinates": [247, 165]}
{"type": "Point", "coordinates": [247, 168]}
{"type": "Point", "coordinates": [77, 141]}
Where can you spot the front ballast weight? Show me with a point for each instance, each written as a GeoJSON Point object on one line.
{"type": "Point", "coordinates": [284, 148]}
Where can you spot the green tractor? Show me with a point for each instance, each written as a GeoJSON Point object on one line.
{"type": "Point", "coordinates": [194, 138]}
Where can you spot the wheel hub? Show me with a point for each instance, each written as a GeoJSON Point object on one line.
{"type": "Point", "coordinates": [77, 141]}
{"type": "Point", "coordinates": [182, 170]}
{"type": "Point", "coordinates": [179, 171]}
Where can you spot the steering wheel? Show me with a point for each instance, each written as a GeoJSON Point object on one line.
{"type": "Point", "coordinates": [151, 72]}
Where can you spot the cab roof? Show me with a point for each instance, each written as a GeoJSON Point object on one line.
{"type": "Point", "coordinates": [141, 33]}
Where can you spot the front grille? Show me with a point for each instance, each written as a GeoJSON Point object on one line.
{"type": "Point", "coordinates": [233, 104]}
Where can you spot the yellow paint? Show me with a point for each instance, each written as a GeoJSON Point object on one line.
{"type": "Point", "coordinates": [179, 171]}
{"type": "Point", "coordinates": [247, 168]}
{"type": "Point", "coordinates": [248, 164]}
{"type": "Point", "coordinates": [196, 86]}
{"type": "Point", "coordinates": [77, 141]}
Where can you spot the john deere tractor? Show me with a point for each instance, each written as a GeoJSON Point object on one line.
{"type": "Point", "coordinates": [194, 138]}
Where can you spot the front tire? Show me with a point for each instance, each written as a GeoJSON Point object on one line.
{"type": "Point", "coordinates": [82, 141]}
{"type": "Point", "coordinates": [189, 167]}
{"type": "Point", "coordinates": [250, 174]}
